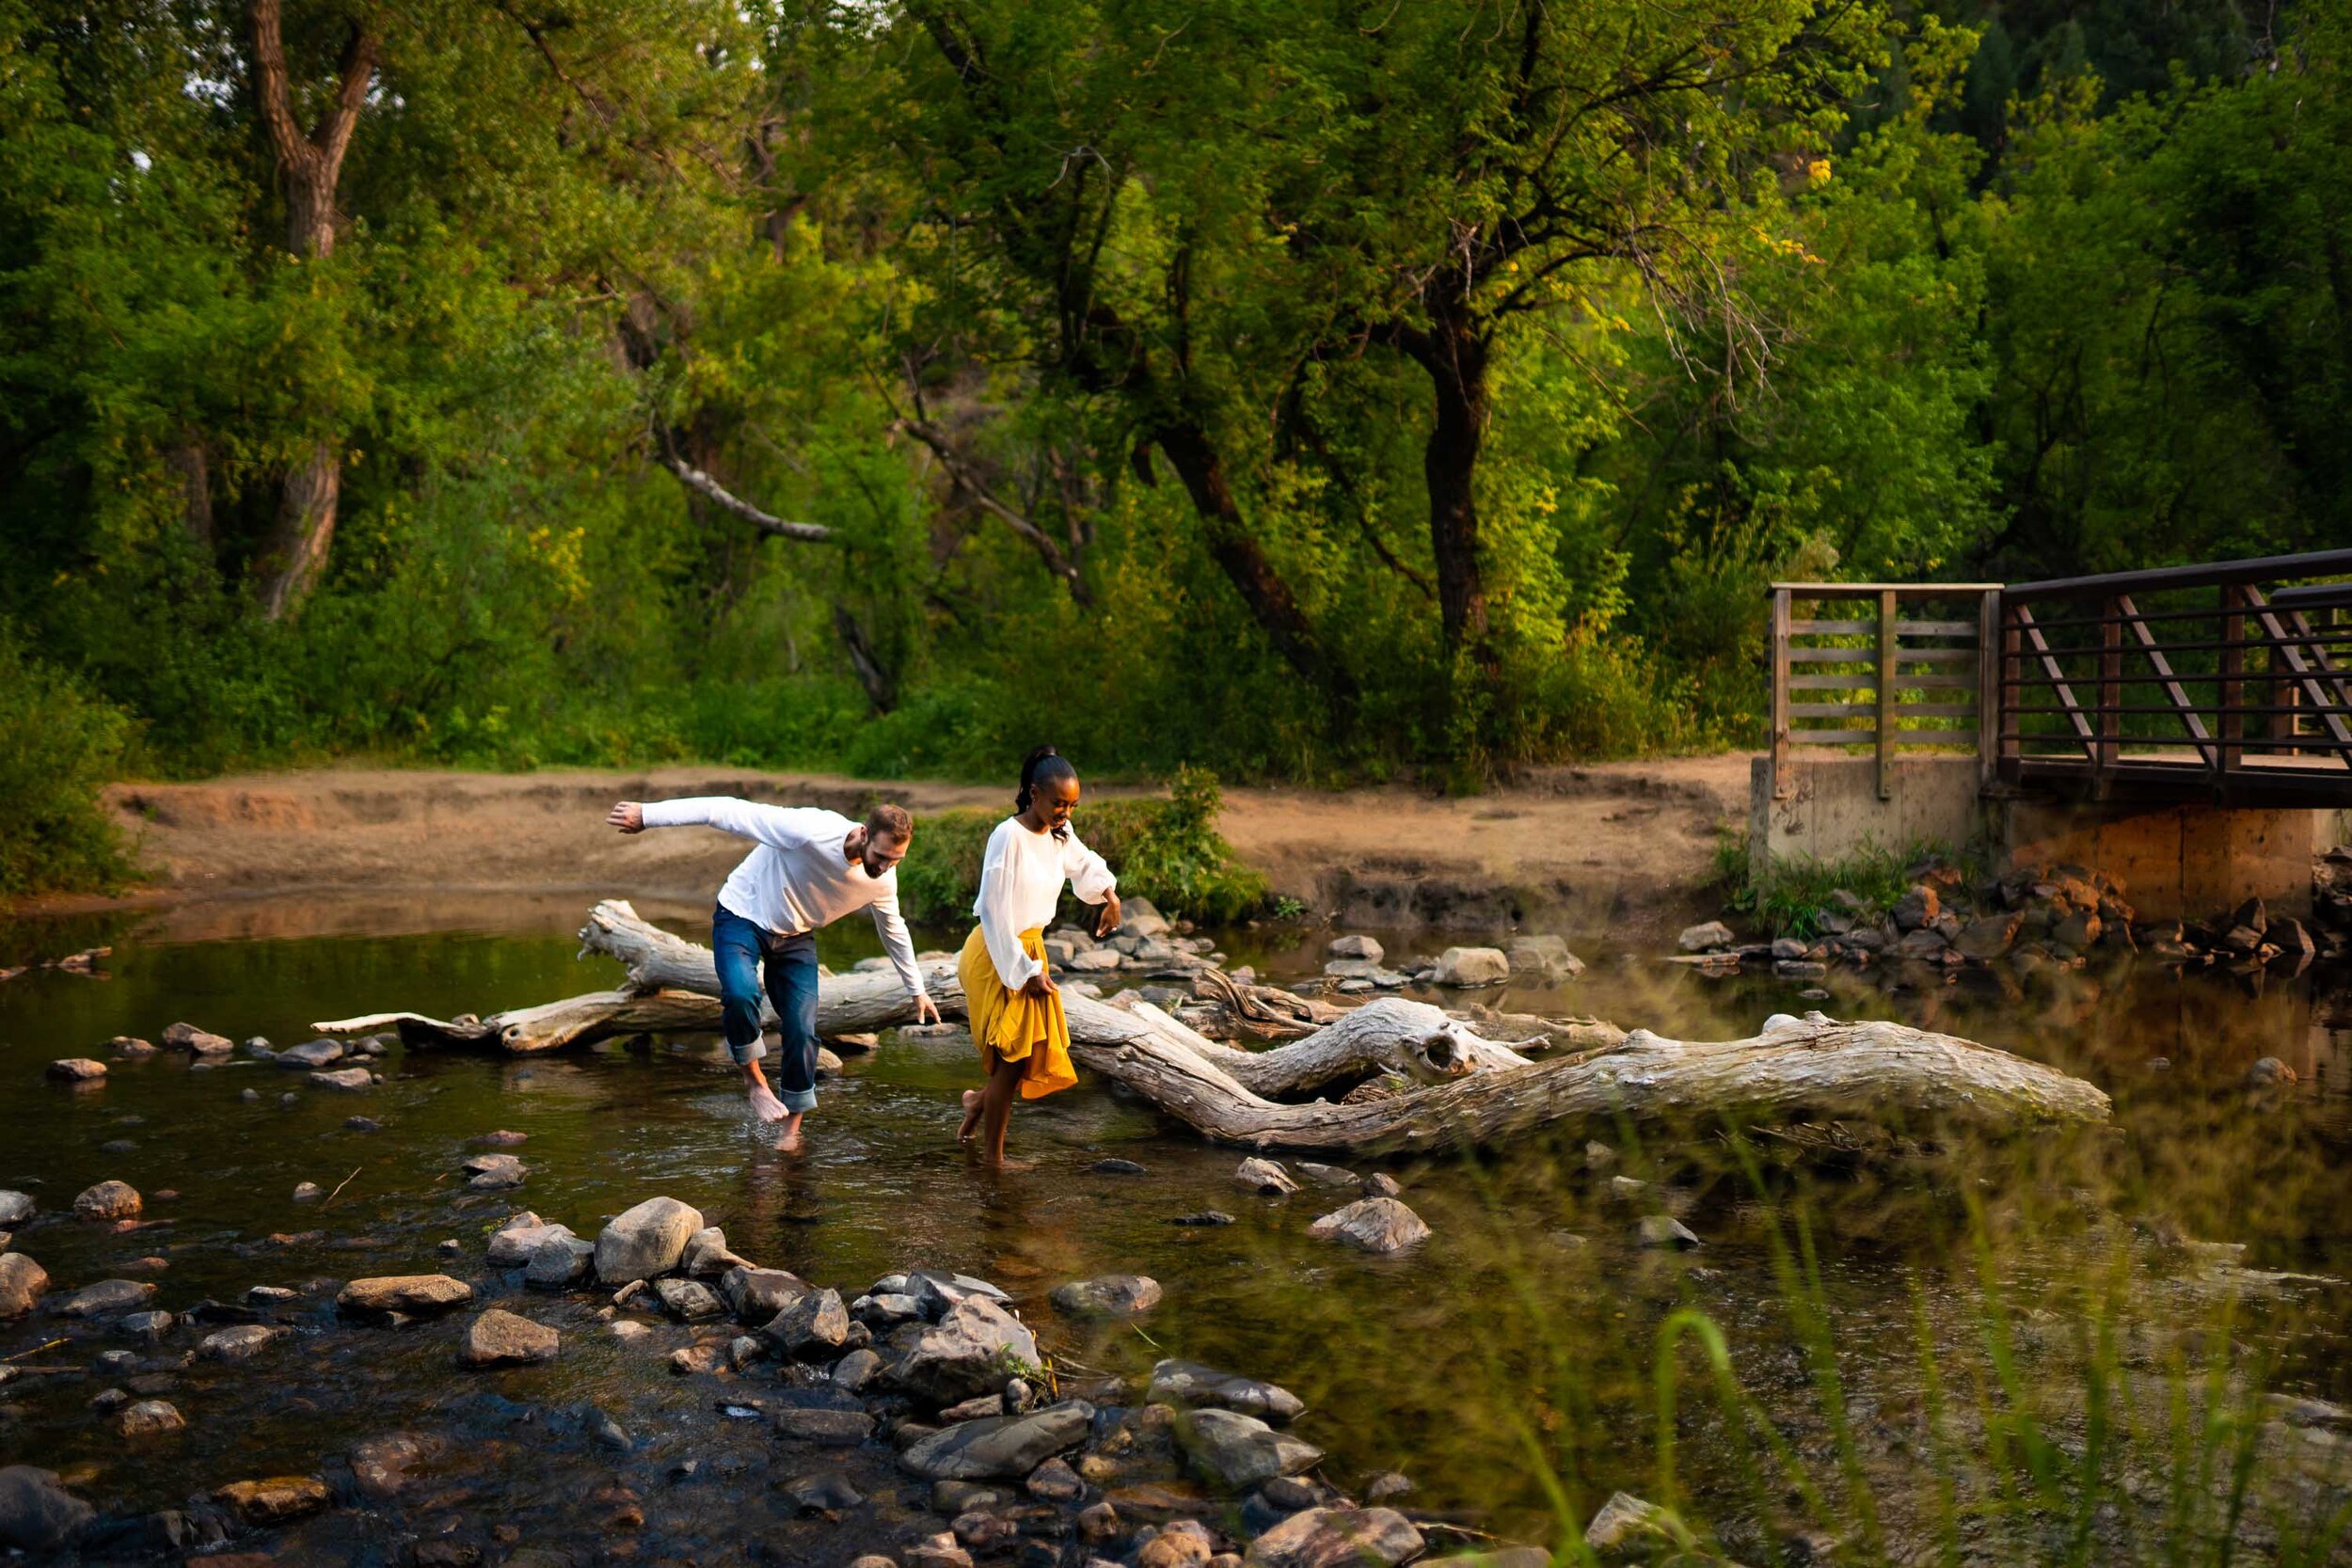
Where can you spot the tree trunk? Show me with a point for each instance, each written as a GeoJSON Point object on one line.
{"type": "Point", "coordinates": [191, 466]}
{"type": "Point", "coordinates": [1455, 354]}
{"type": "Point", "coordinates": [1813, 1070]}
{"type": "Point", "coordinates": [293, 554]}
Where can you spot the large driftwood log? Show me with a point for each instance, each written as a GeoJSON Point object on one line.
{"type": "Point", "coordinates": [1799, 1070]}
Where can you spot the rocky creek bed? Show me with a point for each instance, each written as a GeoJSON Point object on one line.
{"type": "Point", "coordinates": [399, 1307]}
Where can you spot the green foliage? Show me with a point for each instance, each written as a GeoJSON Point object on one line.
{"type": "Point", "coordinates": [1165, 850]}
{"type": "Point", "coordinates": [64, 745]}
{"type": "Point", "coordinates": [1790, 899]}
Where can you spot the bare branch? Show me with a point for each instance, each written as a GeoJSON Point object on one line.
{"type": "Point", "coordinates": [718, 494]}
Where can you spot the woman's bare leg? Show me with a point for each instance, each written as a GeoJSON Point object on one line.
{"type": "Point", "coordinates": [1004, 1082]}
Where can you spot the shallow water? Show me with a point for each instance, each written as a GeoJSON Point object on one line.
{"type": "Point", "coordinates": [1515, 1351]}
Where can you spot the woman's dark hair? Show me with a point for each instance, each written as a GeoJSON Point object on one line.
{"type": "Point", "coordinates": [1043, 766]}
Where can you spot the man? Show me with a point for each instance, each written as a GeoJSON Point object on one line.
{"type": "Point", "coordinates": [811, 867]}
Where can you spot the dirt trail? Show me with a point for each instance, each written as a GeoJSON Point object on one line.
{"type": "Point", "coordinates": [1623, 843]}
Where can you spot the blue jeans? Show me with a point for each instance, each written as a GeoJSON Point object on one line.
{"type": "Point", "coordinates": [744, 951]}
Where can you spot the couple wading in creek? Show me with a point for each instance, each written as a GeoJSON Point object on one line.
{"type": "Point", "coordinates": [811, 867]}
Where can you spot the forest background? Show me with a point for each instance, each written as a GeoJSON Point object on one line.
{"type": "Point", "coordinates": [1290, 388]}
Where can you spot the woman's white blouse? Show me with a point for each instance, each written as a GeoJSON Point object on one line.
{"type": "Point", "coordinates": [1021, 878]}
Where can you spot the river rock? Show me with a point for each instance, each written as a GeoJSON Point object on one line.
{"type": "Point", "coordinates": [1008, 1446]}
{"type": "Point", "coordinates": [37, 1512]}
{"type": "Point", "coordinates": [1264, 1175]}
{"type": "Point", "coordinates": [491, 1173]}
{"type": "Point", "coordinates": [1096, 961]}
{"type": "Point", "coordinates": [274, 1499]}
{"type": "Point", "coordinates": [1138, 917]}
{"type": "Point", "coordinates": [78, 1069]}
{"type": "Point", "coordinates": [826, 1492]}
{"type": "Point", "coordinates": [815, 1325]}
{"type": "Point", "coordinates": [1547, 956]}
{"type": "Point", "coordinates": [707, 1255]}
{"type": "Point", "coordinates": [106, 1298]}
{"type": "Point", "coordinates": [1664, 1231]}
{"type": "Point", "coordinates": [413, 1295]}
{"type": "Point", "coordinates": [1055, 1482]}
{"type": "Point", "coordinates": [151, 1327]}
{"type": "Point", "coordinates": [827, 1429]}
{"type": "Point", "coordinates": [240, 1342]}
{"type": "Point", "coordinates": [1117, 1167]}
{"type": "Point", "coordinates": [1189, 1382]}
{"type": "Point", "coordinates": [759, 1294]}
{"type": "Point", "coordinates": [149, 1418]}
{"type": "Point", "coordinates": [203, 1042]}
{"type": "Point", "coordinates": [936, 1292]}
{"type": "Point", "coordinates": [308, 1191]}
{"type": "Point", "coordinates": [690, 1300]}
{"type": "Point", "coordinates": [15, 1208]}
{"type": "Point", "coordinates": [1473, 966]}
{"type": "Point", "coordinates": [1355, 947]}
{"type": "Point", "coordinates": [514, 1242]}
{"type": "Point", "coordinates": [108, 1200]}
{"type": "Point", "coordinates": [22, 1283]}
{"type": "Point", "coordinates": [347, 1079]}
{"type": "Point", "coordinates": [380, 1465]}
{"type": "Point", "coordinates": [1338, 1538]}
{"type": "Point", "coordinates": [1239, 1451]}
{"type": "Point", "coordinates": [970, 1351]}
{"type": "Point", "coordinates": [645, 1241]}
{"type": "Point", "coordinates": [559, 1260]}
{"type": "Point", "coordinates": [1109, 1295]}
{"type": "Point", "coordinates": [1381, 1225]}
{"type": "Point", "coordinates": [1628, 1527]}
{"type": "Point", "coordinates": [503, 1339]}
{"type": "Point", "coordinates": [1711, 936]}
{"type": "Point", "coordinates": [854, 1372]}
{"type": "Point", "coordinates": [310, 1055]}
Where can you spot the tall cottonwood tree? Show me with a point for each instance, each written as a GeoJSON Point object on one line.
{"type": "Point", "coordinates": [309, 168]}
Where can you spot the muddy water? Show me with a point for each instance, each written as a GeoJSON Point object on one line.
{"type": "Point", "coordinates": [1509, 1366]}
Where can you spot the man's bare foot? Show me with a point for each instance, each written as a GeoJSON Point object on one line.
{"type": "Point", "coordinates": [790, 1141]}
{"type": "Point", "coordinates": [971, 1116]}
{"type": "Point", "coordinates": [765, 1106]}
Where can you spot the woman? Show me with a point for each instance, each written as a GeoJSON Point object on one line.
{"type": "Point", "coordinates": [1015, 1007]}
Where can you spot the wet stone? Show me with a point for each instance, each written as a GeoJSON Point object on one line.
{"type": "Point", "coordinates": [1110, 1295]}
{"type": "Point", "coordinates": [274, 1499]}
{"type": "Point", "coordinates": [1239, 1453]}
{"type": "Point", "coordinates": [812, 1326]}
{"type": "Point", "coordinates": [826, 1492]}
{"type": "Point", "coordinates": [1055, 1482]}
{"type": "Point", "coordinates": [380, 1465]}
{"type": "Point", "coordinates": [512, 1244]}
{"type": "Point", "coordinates": [758, 1295]}
{"type": "Point", "coordinates": [970, 1351]}
{"type": "Point", "coordinates": [411, 1294]}
{"type": "Point", "coordinates": [15, 1208]}
{"type": "Point", "coordinates": [362, 1124]}
{"type": "Point", "coordinates": [310, 1055]}
{"type": "Point", "coordinates": [1664, 1231]}
{"type": "Point", "coordinates": [1378, 1224]}
{"type": "Point", "coordinates": [1206, 1217]}
{"type": "Point", "coordinates": [1326, 1176]}
{"type": "Point", "coordinates": [203, 1042]}
{"type": "Point", "coordinates": [1117, 1167]}
{"type": "Point", "coordinates": [1338, 1538]}
{"type": "Point", "coordinates": [347, 1079]}
{"type": "Point", "coordinates": [308, 1191]}
{"type": "Point", "coordinates": [22, 1282]}
{"type": "Point", "coordinates": [149, 1418]}
{"type": "Point", "coordinates": [645, 1241]}
{"type": "Point", "coordinates": [1626, 1526]}
{"type": "Point", "coordinates": [560, 1260]}
{"type": "Point", "coordinates": [689, 1300]}
{"type": "Point", "coordinates": [501, 1338]}
{"type": "Point", "coordinates": [1189, 1382]}
{"type": "Point", "coordinates": [1264, 1175]}
{"type": "Point", "coordinates": [108, 1200]}
{"type": "Point", "coordinates": [78, 1069]}
{"type": "Point", "coordinates": [1005, 1446]}
{"type": "Point", "coordinates": [856, 1371]}
{"type": "Point", "coordinates": [491, 1173]}
{"type": "Point", "coordinates": [240, 1342]}
{"type": "Point", "coordinates": [151, 1327]}
{"type": "Point", "coordinates": [706, 1255]}
{"type": "Point", "coordinates": [106, 1298]}
{"type": "Point", "coordinates": [37, 1512]}
{"type": "Point", "coordinates": [830, 1429]}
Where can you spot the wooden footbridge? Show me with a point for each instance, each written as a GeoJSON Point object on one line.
{"type": "Point", "coordinates": [2227, 684]}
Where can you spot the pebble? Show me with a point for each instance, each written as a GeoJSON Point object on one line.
{"type": "Point", "coordinates": [308, 1192]}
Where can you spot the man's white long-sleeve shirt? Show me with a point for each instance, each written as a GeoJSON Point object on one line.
{"type": "Point", "coordinates": [800, 876]}
{"type": "Point", "coordinates": [1021, 878]}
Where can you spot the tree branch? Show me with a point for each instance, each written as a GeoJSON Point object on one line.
{"type": "Point", "coordinates": [767, 522]}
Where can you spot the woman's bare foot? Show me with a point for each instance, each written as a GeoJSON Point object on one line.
{"type": "Point", "coordinates": [971, 1116]}
{"type": "Point", "coordinates": [1007, 1163]}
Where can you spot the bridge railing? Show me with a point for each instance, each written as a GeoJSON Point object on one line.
{"type": "Point", "coordinates": [1879, 665]}
{"type": "Point", "coordinates": [2227, 681]}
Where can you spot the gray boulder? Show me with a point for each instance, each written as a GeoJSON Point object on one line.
{"type": "Point", "coordinates": [1338, 1538]}
{"type": "Point", "coordinates": [645, 1241]}
{"type": "Point", "coordinates": [1006, 1447]}
{"type": "Point", "coordinates": [106, 1298]}
{"type": "Point", "coordinates": [108, 1200]}
{"type": "Point", "coordinates": [512, 1244]}
{"type": "Point", "coordinates": [21, 1284]}
{"type": "Point", "coordinates": [503, 1339]}
{"type": "Point", "coordinates": [689, 1300]}
{"type": "Point", "coordinates": [203, 1042]}
{"type": "Point", "coordinates": [935, 1293]}
{"type": "Point", "coordinates": [1238, 1452]}
{"type": "Point", "coordinates": [312, 1055]}
{"type": "Point", "coordinates": [409, 1295]}
{"type": "Point", "coordinates": [1189, 1382]}
{"type": "Point", "coordinates": [1664, 1231]}
{"type": "Point", "coordinates": [37, 1512]}
{"type": "Point", "coordinates": [1473, 966]}
{"type": "Point", "coordinates": [972, 1350]}
{"type": "Point", "coordinates": [815, 1325]}
{"type": "Point", "coordinates": [1381, 1225]}
{"type": "Point", "coordinates": [1355, 947]}
{"type": "Point", "coordinates": [15, 1208]}
{"type": "Point", "coordinates": [1110, 1295]}
{"type": "Point", "coordinates": [707, 1255]}
{"type": "Point", "coordinates": [348, 1078]}
{"type": "Point", "coordinates": [1547, 958]}
{"type": "Point", "coordinates": [759, 1294]}
{"type": "Point", "coordinates": [560, 1260]}
{"type": "Point", "coordinates": [1264, 1175]}
{"type": "Point", "coordinates": [827, 1429]}
{"type": "Point", "coordinates": [1711, 936]}
{"type": "Point", "coordinates": [490, 1173]}
{"type": "Point", "coordinates": [239, 1342]}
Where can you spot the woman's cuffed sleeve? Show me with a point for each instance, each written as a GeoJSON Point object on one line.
{"type": "Point", "coordinates": [999, 923]}
{"type": "Point", "coordinates": [1090, 875]}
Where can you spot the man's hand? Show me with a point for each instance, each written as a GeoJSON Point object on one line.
{"type": "Point", "coordinates": [926, 1010]}
{"type": "Point", "coordinates": [1108, 921]}
{"type": "Point", "coordinates": [628, 816]}
{"type": "Point", "coordinates": [1040, 984]}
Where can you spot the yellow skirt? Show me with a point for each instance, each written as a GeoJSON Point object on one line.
{"type": "Point", "coordinates": [1009, 1026]}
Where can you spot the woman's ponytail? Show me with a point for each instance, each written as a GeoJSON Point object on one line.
{"type": "Point", "coordinates": [1029, 776]}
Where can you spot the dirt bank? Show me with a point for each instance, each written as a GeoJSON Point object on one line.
{"type": "Point", "coordinates": [1621, 843]}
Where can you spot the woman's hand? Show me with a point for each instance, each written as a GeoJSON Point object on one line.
{"type": "Point", "coordinates": [628, 816]}
{"type": "Point", "coordinates": [1108, 921]}
{"type": "Point", "coordinates": [1040, 984]}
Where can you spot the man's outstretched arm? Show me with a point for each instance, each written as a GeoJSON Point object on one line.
{"type": "Point", "coordinates": [782, 826]}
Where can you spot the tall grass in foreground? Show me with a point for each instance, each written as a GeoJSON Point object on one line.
{"type": "Point", "coordinates": [2009, 1372]}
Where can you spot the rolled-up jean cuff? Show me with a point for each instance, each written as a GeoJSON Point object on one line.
{"type": "Point", "coordinates": [797, 1100]}
{"type": "Point", "coordinates": [746, 1054]}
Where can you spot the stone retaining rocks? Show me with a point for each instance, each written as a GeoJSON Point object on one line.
{"type": "Point", "coordinates": [1006, 1447]}
{"type": "Point", "coordinates": [706, 1255]}
{"type": "Point", "coordinates": [645, 1241]}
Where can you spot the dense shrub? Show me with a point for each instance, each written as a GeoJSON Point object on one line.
{"type": "Point", "coordinates": [63, 745]}
{"type": "Point", "coordinates": [1168, 851]}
